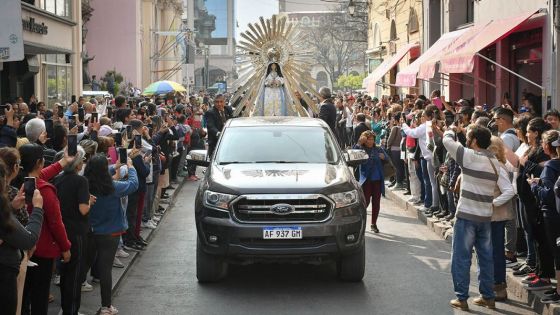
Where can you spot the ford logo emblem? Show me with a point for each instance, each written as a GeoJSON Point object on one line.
{"type": "Point", "coordinates": [282, 209]}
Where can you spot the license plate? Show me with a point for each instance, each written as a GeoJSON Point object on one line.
{"type": "Point", "coordinates": [285, 232]}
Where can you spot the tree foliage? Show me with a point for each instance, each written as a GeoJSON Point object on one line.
{"type": "Point", "coordinates": [350, 81]}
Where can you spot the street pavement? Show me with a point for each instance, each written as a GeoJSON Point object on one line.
{"type": "Point", "coordinates": [407, 272]}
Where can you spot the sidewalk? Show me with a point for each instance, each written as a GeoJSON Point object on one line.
{"type": "Point", "coordinates": [91, 301]}
{"type": "Point", "coordinates": [444, 230]}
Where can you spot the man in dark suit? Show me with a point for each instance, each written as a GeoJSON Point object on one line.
{"type": "Point", "coordinates": [327, 110]}
{"type": "Point", "coordinates": [216, 118]}
{"type": "Point", "coordinates": [360, 128]}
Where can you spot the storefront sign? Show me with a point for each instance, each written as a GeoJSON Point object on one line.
{"type": "Point", "coordinates": [30, 25]}
{"type": "Point", "coordinates": [11, 35]}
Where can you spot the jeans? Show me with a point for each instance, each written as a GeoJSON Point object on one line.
{"type": "Point", "coordinates": [105, 248]}
{"type": "Point", "coordinates": [433, 183]}
{"type": "Point", "coordinates": [70, 275]}
{"type": "Point", "coordinates": [131, 213]}
{"type": "Point", "coordinates": [149, 202]}
{"type": "Point", "coordinates": [498, 237]}
{"type": "Point", "coordinates": [427, 184]}
{"type": "Point", "coordinates": [467, 234]}
{"type": "Point", "coordinates": [527, 228]}
{"type": "Point", "coordinates": [451, 201]}
{"type": "Point", "coordinates": [37, 287]}
{"type": "Point", "coordinates": [415, 186]}
{"type": "Point", "coordinates": [349, 133]}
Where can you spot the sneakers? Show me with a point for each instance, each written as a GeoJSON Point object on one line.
{"type": "Point", "coordinates": [57, 280]}
{"type": "Point", "coordinates": [413, 200]}
{"type": "Point", "coordinates": [459, 304]}
{"type": "Point", "coordinates": [550, 292]}
{"type": "Point", "coordinates": [148, 225]}
{"type": "Point", "coordinates": [86, 287]}
{"type": "Point", "coordinates": [121, 253]}
{"type": "Point", "coordinates": [538, 284]}
{"type": "Point", "coordinates": [117, 263]}
{"type": "Point", "coordinates": [488, 303]}
{"type": "Point", "coordinates": [510, 263]}
{"type": "Point", "coordinates": [553, 298]}
{"type": "Point", "coordinates": [108, 310]}
{"type": "Point", "coordinates": [529, 278]}
{"type": "Point", "coordinates": [524, 270]}
{"type": "Point", "coordinates": [133, 247]}
{"type": "Point", "coordinates": [374, 228]}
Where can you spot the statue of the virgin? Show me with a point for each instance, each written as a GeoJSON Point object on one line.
{"type": "Point", "coordinates": [273, 99]}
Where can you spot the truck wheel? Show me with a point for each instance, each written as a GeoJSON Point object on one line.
{"type": "Point", "coordinates": [352, 267]}
{"type": "Point", "coordinates": [209, 268]}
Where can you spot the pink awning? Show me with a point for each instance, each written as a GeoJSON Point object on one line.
{"type": "Point", "coordinates": [407, 76]}
{"type": "Point", "coordinates": [458, 56]}
{"type": "Point", "coordinates": [461, 59]}
{"type": "Point", "coordinates": [386, 66]}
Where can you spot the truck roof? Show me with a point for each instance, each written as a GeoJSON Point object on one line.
{"type": "Point", "coordinates": [276, 121]}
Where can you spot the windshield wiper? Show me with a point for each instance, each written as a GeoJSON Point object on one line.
{"type": "Point", "coordinates": [232, 162]}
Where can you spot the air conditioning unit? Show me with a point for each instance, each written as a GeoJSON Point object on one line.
{"type": "Point", "coordinates": [392, 48]}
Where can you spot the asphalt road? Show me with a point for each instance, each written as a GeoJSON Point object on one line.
{"type": "Point", "coordinates": [408, 272]}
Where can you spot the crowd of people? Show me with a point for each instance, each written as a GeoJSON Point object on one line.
{"type": "Point", "coordinates": [78, 183]}
{"type": "Point", "coordinates": [99, 172]}
{"type": "Point", "coordinates": [493, 173]}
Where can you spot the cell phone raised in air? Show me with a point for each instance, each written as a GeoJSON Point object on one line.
{"type": "Point", "coordinates": [118, 139]}
{"type": "Point", "coordinates": [60, 111]}
{"type": "Point", "coordinates": [129, 131]}
{"type": "Point", "coordinates": [81, 114]}
{"type": "Point", "coordinates": [123, 157]}
{"type": "Point", "coordinates": [95, 117]}
{"type": "Point", "coordinates": [3, 109]}
{"type": "Point", "coordinates": [49, 126]}
{"type": "Point", "coordinates": [72, 145]}
{"type": "Point", "coordinates": [29, 185]}
{"type": "Point", "coordinates": [138, 142]}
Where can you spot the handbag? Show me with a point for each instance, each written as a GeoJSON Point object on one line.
{"type": "Point", "coordinates": [388, 167]}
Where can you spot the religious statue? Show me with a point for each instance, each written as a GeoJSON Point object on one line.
{"type": "Point", "coordinates": [85, 68]}
{"type": "Point", "coordinates": [275, 65]}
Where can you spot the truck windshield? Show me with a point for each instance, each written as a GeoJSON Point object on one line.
{"type": "Point", "coordinates": [276, 145]}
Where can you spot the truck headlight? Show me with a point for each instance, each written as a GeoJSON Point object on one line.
{"type": "Point", "coordinates": [217, 200]}
{"type": "Point", "coordinates": [345, 199]}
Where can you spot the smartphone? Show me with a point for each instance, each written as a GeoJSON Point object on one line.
{"type": "Point", "coordinates": [73, 99]}
{"type": "Point", "coordinates": [81, 114]}
{"type": "Point", "coordinates": [49, 126]}
{"type": "Point", "coordinates": [118, 139]}
{"type": "Point", "coordinates": [3, 109]}
{"type": "Point", "coordinates": [60, 111]}
{"type": "Point", "coordinates": [109, 112]}
{"type": "Point", "coordinates": [95, 117]}
{"type": "Point", "coordinates": [138, 141]}
{"type": "Point", "coordinates": [72, 145]}
{"type": "Point", "coordinates": [129, 131]}
{"type": "Point", "coordinates": [29, 188]}
{"type": "Point", "coordinates": [122, 155]}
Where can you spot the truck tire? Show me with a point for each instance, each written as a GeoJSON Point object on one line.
{"type": "Point", "coordinates": [209, 268]}
{"type": "Point", "coordinates": [352, 267]}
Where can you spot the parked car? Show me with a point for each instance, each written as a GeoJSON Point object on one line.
{"type": "Point", "coordinates": [279, 189]}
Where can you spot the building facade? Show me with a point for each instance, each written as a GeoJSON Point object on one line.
{"type": "Point", "coordinates": [142, 44]}
{"type": "Point", "coordinates": [52, 65]}
{"type": "Point", "coordinates": [393, 24]}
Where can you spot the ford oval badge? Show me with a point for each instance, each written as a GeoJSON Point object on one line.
{"type": "Point", "coordinates": [282, 209]}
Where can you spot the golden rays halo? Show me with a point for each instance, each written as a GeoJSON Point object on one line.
{"type": "Point", "coordinates": [273, 40]}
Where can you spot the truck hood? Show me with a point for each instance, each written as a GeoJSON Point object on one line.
{"type": "Point", "coordinates": [280, 178]}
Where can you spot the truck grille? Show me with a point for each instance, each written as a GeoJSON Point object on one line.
{"type": "Point", "coordinates": [303, 208]}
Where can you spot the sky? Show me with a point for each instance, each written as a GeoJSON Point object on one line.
{"type": "Point", "coordinates": [219, 9]}
{"type": "Point", "coordinates": [249, 11]}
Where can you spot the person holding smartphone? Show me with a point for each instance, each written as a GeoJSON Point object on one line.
{"type": "Point", "coordinates": [53, 241]}
{"type": "Point", "coordinates": [107, 219]}
{"type": "Point", "coordinates": [15, 238]}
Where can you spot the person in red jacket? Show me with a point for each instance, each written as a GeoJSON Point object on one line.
{"type": "Point", "coordinates": [53, 241]}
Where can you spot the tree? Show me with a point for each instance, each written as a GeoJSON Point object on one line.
{"type": "Point", "coordinates": [339, 42]}
{"type": "Point", "coordinates": [350, 81]}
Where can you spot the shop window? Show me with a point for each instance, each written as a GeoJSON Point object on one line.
{"type": "Point", "coordinates": [59, 79]}
{"type": "Point", "coordinates": [58, 7]}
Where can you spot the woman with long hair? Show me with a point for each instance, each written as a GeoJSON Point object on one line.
{"type": "Point", "coordinates": [371, 175]}
{"type": "Point", "coordinates": [15, 238]}
{"type": "Point", "coordinates": [530, 166]}
{"type": "Point", "coordinates": [107, 219]}
{"type": "Point", "coordinates": [543, 188]}
{"type": "Point", "coordinates": [53, 241]}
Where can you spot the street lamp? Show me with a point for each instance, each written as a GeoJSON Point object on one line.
{"type": "Point", "coordinates": [351, 8]}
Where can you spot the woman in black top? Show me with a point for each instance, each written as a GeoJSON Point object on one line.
{"type": "Point", "coordinates": [14, 238]}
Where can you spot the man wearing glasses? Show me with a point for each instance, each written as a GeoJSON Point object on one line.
{"type": "Point", "coordinates": [504, 121]}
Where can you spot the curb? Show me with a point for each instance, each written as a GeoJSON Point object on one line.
{"type": "Point", "coordinates": [120, 273]}
{"type": "Point", "coordinates": [515, 288]}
